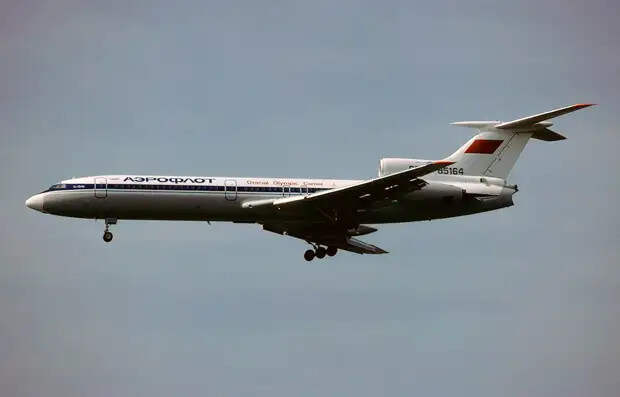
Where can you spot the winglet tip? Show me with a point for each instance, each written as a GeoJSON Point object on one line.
{"type": "Point", "coordinates": [584, 105]}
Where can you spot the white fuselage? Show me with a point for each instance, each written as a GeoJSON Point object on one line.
{"type": "Point", "coordinates": [221, 198]}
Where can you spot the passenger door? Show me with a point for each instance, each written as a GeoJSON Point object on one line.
{"type": "Point", "coordinates": [230, 189]}
{"type": "Point", "coordinates": [101, 187]}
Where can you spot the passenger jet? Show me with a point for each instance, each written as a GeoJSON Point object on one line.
{"type": "Point", "coordinates": [329, 214]}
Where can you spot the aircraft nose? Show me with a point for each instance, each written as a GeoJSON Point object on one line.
{"type": "Point", "coordinates": [35, 202]}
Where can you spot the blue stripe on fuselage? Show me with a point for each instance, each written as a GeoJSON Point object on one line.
{"type": "Point", "coordinates": [185, 188]}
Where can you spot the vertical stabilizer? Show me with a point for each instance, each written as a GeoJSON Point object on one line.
{"type": "Point", "coordinates": [495, 149]}
{"type": "Point", "coordinates": [490, 153]}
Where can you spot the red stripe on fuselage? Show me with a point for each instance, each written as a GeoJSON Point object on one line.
{"type": "Point", "coordinates": [484, 146]}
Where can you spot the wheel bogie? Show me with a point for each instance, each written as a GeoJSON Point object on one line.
{"type": "Point", "coordinates": [319, 252]}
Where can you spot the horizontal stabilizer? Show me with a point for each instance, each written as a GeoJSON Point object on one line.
{"type": "Point", "coordinates": [536, 124]}
{"type": "Point", "coordinates": [545, 134]}
{"type": "Point", "coordinates": [480, 125]}
{"type": "Point", "coordinates": [531, 120]}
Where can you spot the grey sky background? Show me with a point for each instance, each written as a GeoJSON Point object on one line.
{"type": "Point", "coordinates": [518, 302]}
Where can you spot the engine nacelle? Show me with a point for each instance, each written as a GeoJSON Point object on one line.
{"type": "Point", "coordinates": [391, 165]}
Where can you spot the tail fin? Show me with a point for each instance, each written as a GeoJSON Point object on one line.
{"type": "Point", "coordinates": [495, 149]}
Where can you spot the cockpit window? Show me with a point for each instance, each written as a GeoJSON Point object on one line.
{"type": "Point", "coordinates": [59, 186]}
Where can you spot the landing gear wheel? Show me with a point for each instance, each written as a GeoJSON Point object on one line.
{"type": "Point", "coordinates": [320, 252]}
{"type": "Point", "coordinates": [331, 251]}
{"type": "Point", "coordinates": [107, 236]}
{"type": "Point", "coordinates": [309, 255]}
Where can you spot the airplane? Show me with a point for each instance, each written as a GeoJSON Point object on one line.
{"type": "Point", "coordinates": [329, 214]}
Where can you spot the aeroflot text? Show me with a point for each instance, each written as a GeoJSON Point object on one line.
{"type": "Point", "coordinates": [165, 179]}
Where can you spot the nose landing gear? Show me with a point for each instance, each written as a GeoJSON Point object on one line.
{"type": "Point", "coordinates": [319, 252]}
{"type": "Point", "coordinates": [107, 234]}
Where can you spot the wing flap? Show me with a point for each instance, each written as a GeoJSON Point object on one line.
{"type": "Point", "coordinates": [358, 246]}
{"type": "Point", "coordinates": [328, 235]}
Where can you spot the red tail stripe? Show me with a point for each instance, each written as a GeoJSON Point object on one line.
{"type": "Point", "coordinates": [484, 146]}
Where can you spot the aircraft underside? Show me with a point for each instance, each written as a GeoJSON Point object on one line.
{"type": "Point", "coordinates": [327, 229]}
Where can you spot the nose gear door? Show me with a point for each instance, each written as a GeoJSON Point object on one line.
{"type": "Point", "coordinates": [101, 187]}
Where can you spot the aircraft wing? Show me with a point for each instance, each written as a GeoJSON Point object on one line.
{"type": "Point", "coordinates": [377, 188]}
{"type": "Point", "coordinates": [328, 235]}
{"type": "Point", "coordinates": [367, 191]}
{"type": "Point", "coordinates": [332, 213]}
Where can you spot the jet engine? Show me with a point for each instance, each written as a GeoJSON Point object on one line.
{"type": "Point", "coordinates": [391, 165]}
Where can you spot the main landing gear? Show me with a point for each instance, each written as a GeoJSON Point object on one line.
{"type": "Point", "coordinates": [107, 234]}
{"type": "Point", "coordinates": [319, 252]}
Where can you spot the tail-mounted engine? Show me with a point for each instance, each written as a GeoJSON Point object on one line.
{"type": "Point", "coordinates": [391, 165]}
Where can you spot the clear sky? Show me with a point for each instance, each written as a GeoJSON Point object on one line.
{"type": "Point", "coordinates": [519, 302]}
